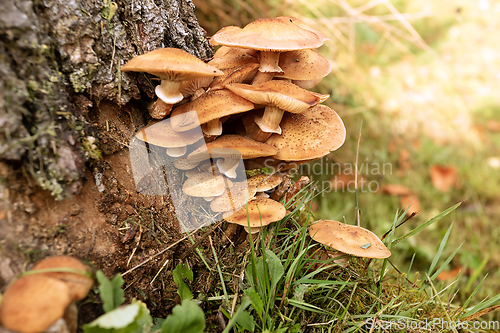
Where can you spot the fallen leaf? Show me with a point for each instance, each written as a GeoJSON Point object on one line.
{"type": "Point", "coordinates": [493, 125]}
{"type": "Point", "coordinates": [395, 189]}
{"type": "Point", "coordinates": [411, 201]}
{"type": "Point", "coordinates": [443, 177]}
{"type": "Point", "coordinates": [345, 181]}
{"type": "Point", "coordinates": [449, 275]}
{"type": "Point", "coordinates": [404, 161]}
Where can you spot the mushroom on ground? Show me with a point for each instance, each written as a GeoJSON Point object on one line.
{"type": "Point", "coordinates": [349, 239]}
{"type": "Point", "coordinates": [261, 212]}
{"type": "Point", "coordinates": [234, 198]}
{"type": "Point", "coordinates": [172, 66]}
{"type": "Point", "coordinates": [206, 185]}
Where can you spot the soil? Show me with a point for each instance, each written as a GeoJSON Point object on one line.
{"type": "Point", "coordinates": [109, 225]}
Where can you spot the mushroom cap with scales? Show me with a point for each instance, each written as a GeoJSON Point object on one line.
{"type": "Point", "coordinates": [261, 212]}
{"type": "Point", "coordinates": [312, 134]}
{"type": "Point", "coordinates": [349, 239]}
{"type": "Point", "coordinates": [172, 66]}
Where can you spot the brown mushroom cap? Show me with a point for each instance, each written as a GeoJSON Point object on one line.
{"type": "Point", "coordinates": [172, 66]}
{"type": "Point", "coordinates": [310, 135]}
{"type": "Point", "coordinates": [209, 106]}
{"type": "Point", "coordinates": [269, 34]}
{"type": "Point", "coordinates": [234, 198]}
{"type": "Point", "coordinates": [79, 284]}
{"type": "Point", "coordinates": [261, 212]}
{"type": "Point", "coordinates": [282, 94]}
{"type": "Point", "coordinates": [230, 57]}
{"type": "Point", "coordinates": [349, 239]}
{"type": "Point", "coordinates": [305, 26]}
{"type": "Point", "coordinates": [206, 185]}
{"type": "Point", "coordinates": [33, 303]}
{"type": "Point", "coordinates": [162, 134]}
{"type": "Point", "coordinates": [303, 65]}
{"type": "Point", "coordinates": [264, 182]}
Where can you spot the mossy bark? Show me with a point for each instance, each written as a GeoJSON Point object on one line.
{"type": "Point", "coordinates": [59, 58]}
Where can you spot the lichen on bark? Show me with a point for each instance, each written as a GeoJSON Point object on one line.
{"type": "Point", "coordinates": [59, 59]}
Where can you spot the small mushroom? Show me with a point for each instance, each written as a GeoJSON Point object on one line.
{"type": "Point", "coordinates": [265, 182]}
{"type": "Point", "coordinates": [349, 239]}
{"type": "Point", "coordinates": [261, 212]}
{"type": "Point", "coordinates": [232, 148]}
{"type": "Point", "coordinates": [211, 106]}
{"type": "Point", "coordinates": [206, 185]}
{"type": "Point", "coordinates": [305, 67]}
{"type": "Point", "coordinates": [270, 36]}
{"type": "Point", "coordinates": [161, 134]}
{"type": "Point", "coordinates": [33, 303]}
{"type": "Point", "coordinates": [234, 198]}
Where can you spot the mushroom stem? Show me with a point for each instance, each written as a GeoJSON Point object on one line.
{"type": "Point", "coordinates": [228, 167]}
{"type": "Point", "coordinates": [213, 127]}
{"type": "Point", "coordinates": [262, 77]}
{"type": "Point", "coordinates": [259, 135]}
{"type": "Point", "coordinates": [160, 109]}
{"type": "Point", "coordinates": [269, 62]}
{"type": "Point", "coordinates": [169, 91]}
{"type": "Point", "coordinates": [270, 121]}
{"type": "Point", "coordinates": [176, 151]}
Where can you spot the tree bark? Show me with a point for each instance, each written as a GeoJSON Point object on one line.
{"type": "Point", "coordinates": [60, 58]}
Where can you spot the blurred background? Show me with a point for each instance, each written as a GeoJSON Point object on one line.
{"type": "Point", "coordinates": [422, 81]}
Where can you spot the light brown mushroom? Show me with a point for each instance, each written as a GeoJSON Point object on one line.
{"type": "Point", "coordinates": [161, 134]}
{"type": "Point", "coordinates": [234, 198]}
{"type": "Point", "coordinates": [209, 107]}
{"type": "Point", "coordinates": [206, 185]}
{"type": "Point", "coordinates": [349, 239]}
{"type": "Point", "coordinates": [79, 283]}
{"type": "Point", "coordinates": [310, 135]}
{"type": "Point", "coordinates": [270, 36]}
{"type": "Point", "coordinates": [261, 212]}
{"type": "Point", "coordinates": [265, 182]}
{"type": "Point", "coordinates": [172, 66]}
{"type": "Point", "coordinates": [232, 148]}
{"type": "Point", "coordinates": [278, 97]}
{"type": "Point", "coordinates": [33, 303]}
{"type": "Point", "coordinates": [305, 67]}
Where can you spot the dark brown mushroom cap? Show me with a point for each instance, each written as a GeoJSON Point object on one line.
{"type": "Point", "coordinates": [33, 303]}
{"type": "Point", "coordinates": [227, 145]}
{"type": "Point", "coordinates": [310, 135]}
{"type": "Point", "coordinates": [162, 134]}
{"type": "Point", "coordinates": [261, 212]}
{"type": "Point", "coordinates": [279, 93]}
{"type": "Point", "coordinates": [349, 239]}
{"type": "Point", "coordinates": [269, 34]}
{"type": "Point", "coordinates": [79, 284]}
{"type": "Point", "coordinates": [209, 106]}
{"type": "Point", "coordinates": [170, 64]}
{"type": "Point", "coordinates": [303, 65]}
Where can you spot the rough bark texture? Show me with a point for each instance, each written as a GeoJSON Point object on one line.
{"type": "Point", "coordinates": [59, 59]}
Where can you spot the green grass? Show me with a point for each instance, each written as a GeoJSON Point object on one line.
{"type": "Point", "coordinates": [432, 97]}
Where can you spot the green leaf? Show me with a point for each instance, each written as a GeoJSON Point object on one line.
{"type": "Point", "coordinates": [180, 272]}
{"type": "Point", "coordinates": [246, 321]}
{"type": "Point", "coordinates": [132, 318]}
{"type": "Point", "coordinates": [426, 224]}
{"type": "Point", "coordinates": [257, 303]}
{"type": "Point", "coordinates": [275, 267]}
{"type": "Point", "coordinates": [257, 281]}
{"type": "Point", "coordinates": [186, 318]}
{"type": "Point", "coordinates": [111, 292]}
{"type": "Point", "coordinates": [245, 302]}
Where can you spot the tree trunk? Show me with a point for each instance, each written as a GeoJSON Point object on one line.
{"type": "Point", "coordinates": [59, 60]}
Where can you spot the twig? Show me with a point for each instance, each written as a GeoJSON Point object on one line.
{"type": "Point", "coordinates": [155, 255]}
{"type": "Point", "coordinates": [358, 213]}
